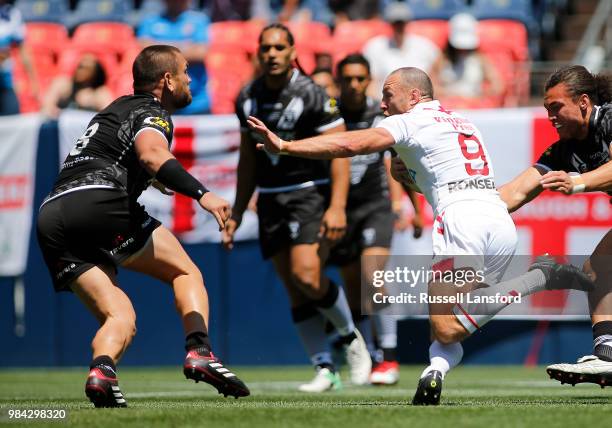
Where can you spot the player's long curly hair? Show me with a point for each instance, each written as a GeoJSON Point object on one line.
{"type": "Point", "coordinates": [290, 39]}
{"type": "Point", "coordinates": [580, 81]}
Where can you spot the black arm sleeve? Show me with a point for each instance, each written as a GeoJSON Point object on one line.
{"type": "Point", "coordinates": [172, 175]}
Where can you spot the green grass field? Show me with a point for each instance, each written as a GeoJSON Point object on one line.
{"type": "Point", "coordinates": [473, 396]}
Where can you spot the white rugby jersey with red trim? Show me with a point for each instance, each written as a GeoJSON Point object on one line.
{"type": "Point", "coordinates": [445, 155]}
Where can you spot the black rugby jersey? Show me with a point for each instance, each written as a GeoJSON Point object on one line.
{"type": "Point", "coordinates": [104, 156]}
{"type": "Point", "coordinates": [582, 156]}
{"type": "Point", "coordinates": [300, 110]}
{"type": "Point", "coordinates": [368, 172]}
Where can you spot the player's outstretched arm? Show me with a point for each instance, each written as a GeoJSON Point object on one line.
{"type": "Point", "coordinates": [522, 189]}
{"type": "Point", "coordinates": [152, 151]}
{"type": "Point", "coordinates": [598, 180]}
{"type": "Point", "coordinates": [327, 146]}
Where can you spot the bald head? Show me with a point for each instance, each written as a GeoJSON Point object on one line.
{"type": "Point", "coordinates": [405, 88]}
{"type": "Point", "coordinates": [412, 77]}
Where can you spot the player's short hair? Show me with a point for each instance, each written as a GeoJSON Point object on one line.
{"type": "Point", "coordinates": [152, 63]}
{"type": "Point", "coordinates": [354, 58]}
{"type": "Point", "coordinates": [579, 80]}
{"type": "Point", "coordinates": [413, 77]}
{"type": "Point", "coordinates": [278, 26]}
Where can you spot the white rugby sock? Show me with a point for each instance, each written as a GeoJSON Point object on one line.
{"type": "Point", "coordinates": [335, 308]}
{"type": "Point", "coordinates": [310, 325]}
{"type": "Point", "coordinates": [386, 329]}
{"type": "Point", "coordinates": [443, 357]}
{"type": "Point", "coordinates": [474, 315]}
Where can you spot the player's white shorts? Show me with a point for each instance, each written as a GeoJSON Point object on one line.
{"type": "Point", "coordinates": [477, 234]}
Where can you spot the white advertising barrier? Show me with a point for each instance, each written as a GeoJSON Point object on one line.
{"type": "Point", "coordinates": [208, 147]}
{"type": "Point", "coordinates": [18, 147]}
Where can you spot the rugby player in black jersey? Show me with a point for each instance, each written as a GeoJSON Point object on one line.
{"type": "Point", "coordinates": [300, 205]}
{"type": "Point", "coordinates": [579, 105]}
{"type": "Point", "coordinates": [370, 216]}
{"type": "Point", "coordinates": [91, 223]}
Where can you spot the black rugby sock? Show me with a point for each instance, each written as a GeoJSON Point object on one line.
{"type": "Point", "coordinates": [200, 341]}
{"type": "Point", "coordinates": [105, 364]}
{"type": "Point", "coordinates": [602, 340]}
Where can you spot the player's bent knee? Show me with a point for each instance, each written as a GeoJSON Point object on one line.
{"type": "Point", "coordinates": [307, 278]}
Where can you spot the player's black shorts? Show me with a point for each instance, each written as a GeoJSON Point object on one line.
{"type": "Point", "coordinates": [368, 225]}
{"type": "Point", "coordinates": [85, 228]}
{"type": "Point", "coordinates": [290, 218]}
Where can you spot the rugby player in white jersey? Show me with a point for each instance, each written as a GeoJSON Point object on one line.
{"type": "Point", "coordinates": [443, 156]}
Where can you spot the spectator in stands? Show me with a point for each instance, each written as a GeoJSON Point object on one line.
{"type": "Point", "coordinates": [187, 30]}
{"type": "Point", "coordinates": [231, 10]}
{"type": "Point", "coordinates": [462, 73]}
{"type": "Point", "coordinates": [353, 10]}
{"type": "Point", "coordinates": [12, 33]}
{"type": "Point", "coordinates": [294, 10]}
{"type": "Point", "coordinates": [85, 90]}
{"type": "Point", "coordinates": [387, 54]}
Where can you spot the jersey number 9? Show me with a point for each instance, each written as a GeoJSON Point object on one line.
{"type": "Point", "coordinates": [473, 156]}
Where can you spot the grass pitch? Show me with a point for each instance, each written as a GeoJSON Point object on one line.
{"type": "Point", "coordinates": [161, 397]}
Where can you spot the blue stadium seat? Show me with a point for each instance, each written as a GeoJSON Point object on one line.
{"type": "Point", "coordinates": [100, 10]}
{"type": "Point", "coordinates": [518, 10]}
{"type": "Point", "coordinates": [147, 8]}
{"type": "Point", "coordinates": [435, 9]}
{"type": "Point", "coordinates": [43, 10]}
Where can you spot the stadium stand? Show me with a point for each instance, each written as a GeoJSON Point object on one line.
{"type": "Point", "coordinates": [100, 10]}
{"type": "Point", "coordinates": [509, 32]}
{"type": "Point", "coordinates": [235, 36]}
{"type": "Point", "coordinates": [520, 10]}
{"type": "Point", "coordinates": [227, 73]}
{"type": "Point", "coordinates": [311, 39]}
{"type": "Point", "coordinates": [439, 9]}
{"type": "Point", "coordinates": [434, 29]}
{"type": "Point", "coordinates": [505, 42]}
{"type": "Point", "coordinates": [351, 36]}
{"type": "Point", "coordinates": [43, 10]}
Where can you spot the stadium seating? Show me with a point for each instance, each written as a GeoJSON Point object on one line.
{"type": "Point", "coordinates": [104, 36]}
{"type": "Point", "coordinates": [45, 36]}
{"type": "Point", "coordinates": [100, 10]}
{"type": "Point", "coordinates": [311, 36]}
{"type": "Point", "coordinates": [227, 73]}
{"type": "Point", "coordinates": [435, 9]}
{"type": "Point", "coordinates": [519, 10]}
{"type": "Point", "coordinates": [351, 36]}
{"type": "Point", "coordinates": [43, 10]}
{"type": "Point", "coordinates": [505, 42]}
{"type": "Point", "coordinates": [235, 35]}
{"type": "Point", "coordinates": [435, 30]}
{"type": "Point", "coordinates": [46, 41]}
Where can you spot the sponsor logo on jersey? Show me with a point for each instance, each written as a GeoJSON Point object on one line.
{"type": "Point", "coordinates": [412, 174]}
{"type": "Point", "coordinates": [123, 245]}
{"type": "Point", "coordinates": [64, 271]}
{"type": "Point", "coordinates": [475, 183]}
{"type": "Point", "coordinates": [368, 235]}
{"type": "Point", "coordinates": [291, 114]}
{"type": "Point", "coordinates": [159, 122]}
{"type": "Point", "coordinates": [294, 229]}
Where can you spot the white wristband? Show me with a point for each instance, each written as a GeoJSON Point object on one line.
{"type": "Point", "coordinates": [579, 186]}
{"type": "Point", "coordinates": [282, 144]}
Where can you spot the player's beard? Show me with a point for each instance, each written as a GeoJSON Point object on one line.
{"type": "Point", "coordinates": [183, 100]}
